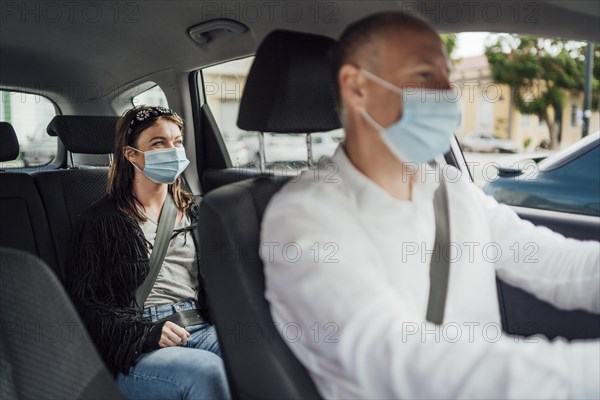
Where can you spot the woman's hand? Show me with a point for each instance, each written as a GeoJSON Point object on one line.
{"type": "Point", "coordinates": [173, 335]}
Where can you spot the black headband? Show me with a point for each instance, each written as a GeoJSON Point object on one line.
{"type": "Point", "coordinates": [145, 113]}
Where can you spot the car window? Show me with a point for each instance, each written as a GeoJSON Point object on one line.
{"type": "Point", "coordinates": [223, 85]}
{"type": "Point", "coordinates": [153, 97]}
{"type": "Point", "coordinates": [562, 157]}
{"type": "Point", "coordinates": [585, 166]}
{"type": "Point", "coordinates": [502, 77]}
{"type": "Point", "coordinates": [29, 114]}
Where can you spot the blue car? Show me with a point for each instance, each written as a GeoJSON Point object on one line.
{"type": "Point", "coordinates": [567, 181]}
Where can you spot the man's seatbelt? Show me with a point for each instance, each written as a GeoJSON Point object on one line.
{"type": "Point", "coordinates": [166, 223]}
{"type": "Point", "coordinates": [439, 269]}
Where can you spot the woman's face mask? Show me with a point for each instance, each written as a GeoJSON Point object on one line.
{"type": "Point", "coordinates": [429, 119]}
{"type": "Point", "coordinates": [163, 165]}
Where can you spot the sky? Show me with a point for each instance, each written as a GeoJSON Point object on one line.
{"type": "Point", "coordinates": [470, 44]}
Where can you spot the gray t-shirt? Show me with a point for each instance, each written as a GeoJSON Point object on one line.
{"type": "Point", "coordinates": [177, 279]}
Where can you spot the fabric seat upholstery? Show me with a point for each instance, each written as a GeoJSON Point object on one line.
{"type": "Point", "coordinates": [230, 236]}
{"type": "Point", "coordinates": [67, 193]}
{"type": "Point", "coordinates": [23, 220]}
{"type": "Point", "coordinates": [45, 352]}
{"type": "Point", "coordinates": [259, 363]}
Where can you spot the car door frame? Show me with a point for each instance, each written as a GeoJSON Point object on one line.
{"type": "Point", "coordinates": [522, 313]}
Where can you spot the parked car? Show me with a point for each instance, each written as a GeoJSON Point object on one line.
{"type": "Point", "coordinates": [568, 180]}
{"type": "Point", "coordinates": [286, 148]}
{"type": "Point", "coordinates": [240, 154]}
{"type": "Point", "coordinates": [324, 144]}
{"type": "Point", "coordinates": [485, 142]}
{"type": "Point", "coordinates": [38, 150]}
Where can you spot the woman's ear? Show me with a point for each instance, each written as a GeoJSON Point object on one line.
{"type": "Point", "coordinates": [128, 153]}
{"type": "Point", "coordinates": [352, 85]}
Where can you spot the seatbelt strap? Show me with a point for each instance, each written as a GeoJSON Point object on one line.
{"type": "Point", "coordinates": [166, 224]}
{"type": "Point", "coordinates": [439, 269]}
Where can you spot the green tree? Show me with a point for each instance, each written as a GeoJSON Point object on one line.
{"type": "Point", "coordinates": [449, 40]}
{"type": "Point", "coordinates": [538, 70]}
{"type": "Point", "coordinates": [595, 73]}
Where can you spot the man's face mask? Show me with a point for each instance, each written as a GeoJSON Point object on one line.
{"type": "Point", "coordinates": [429, 119]}
{"type": "Point", "coordinates": [163, 165]}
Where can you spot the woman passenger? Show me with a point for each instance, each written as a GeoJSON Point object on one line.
{"type": "Point", "coordinates": [149, 356]}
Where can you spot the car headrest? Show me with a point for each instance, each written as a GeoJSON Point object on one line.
{"type": "Point", "coordinates": [289, 87]}
{"type": "Point", "coordinates": [85, 133]}
{"type": "Point", "coordinates": [9, 144]}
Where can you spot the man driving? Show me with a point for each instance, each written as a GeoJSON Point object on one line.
{"type": "Point", "coordinates": [350, 256]}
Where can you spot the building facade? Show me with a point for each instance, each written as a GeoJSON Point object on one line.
{"type": "Point", "coordinates": [489, 107]}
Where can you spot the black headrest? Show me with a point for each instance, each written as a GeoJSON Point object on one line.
{"type": "Point", "coordinates": [289, 87]}
{"type": "Point", "coordinates": [85, 133]}
{"type": "Point", "coordinates": [9, 144]}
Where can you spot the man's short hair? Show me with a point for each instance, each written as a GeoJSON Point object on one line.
{"type": "Point", "coordinates": [362, 32]}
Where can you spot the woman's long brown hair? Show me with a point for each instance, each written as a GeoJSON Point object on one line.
{"type": "Point", "coordinates": [122, 172]}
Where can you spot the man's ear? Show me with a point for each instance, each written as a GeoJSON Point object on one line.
{"type": "Point", "coordinates": [352, 85]}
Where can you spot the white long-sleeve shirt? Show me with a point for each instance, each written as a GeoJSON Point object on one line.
{"type": "Point", "coordinates": [347, 278]}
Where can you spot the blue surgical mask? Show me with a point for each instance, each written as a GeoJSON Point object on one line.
{"type": "Point", "coordinates": [163, 165]}
{"type": "Point", "coordinates": [429, 119]}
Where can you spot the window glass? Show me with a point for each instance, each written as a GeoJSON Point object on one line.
{"type": "Point", "coordinates": [584, 174]}
{"type": "Point", "coordinates": [223, 86]}
{"type": "Point", "coordinates": [586, 166]}
{"type": "Point", "coordinates": [29, 115]}
{"type": "Point", "coordinates": [504, 94]}
{"type": "Point", "coordinates": [151, 97]}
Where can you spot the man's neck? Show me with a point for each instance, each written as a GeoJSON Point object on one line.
{"type": "Point", "coordinates": [376, 162]}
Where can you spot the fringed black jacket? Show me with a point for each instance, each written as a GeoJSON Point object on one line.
{"type": "Point", "coordinates": [109, 260]}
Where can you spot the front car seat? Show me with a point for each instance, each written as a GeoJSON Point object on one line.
{"type": "Point", "coordinates": [45, 350]}
{"type": "Point", "coordinates": [293, 69]}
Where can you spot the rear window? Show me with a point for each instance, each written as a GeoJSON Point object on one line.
{"type": "Point", "coordinates": [29, 114]}
{"type": "Point", "coordinates": [154, 96]}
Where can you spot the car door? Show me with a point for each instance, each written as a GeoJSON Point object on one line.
{"type": "Point", "coordinates": [525, 315]}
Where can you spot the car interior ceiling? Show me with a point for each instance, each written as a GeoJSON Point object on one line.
{"type": "Point", "coordinates": [69, 52]}
{"type": "Point", "coordinates": [39, 207]}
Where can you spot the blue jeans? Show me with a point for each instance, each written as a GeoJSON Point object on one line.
{"type": "Point", "coordinates": [191, 371]}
